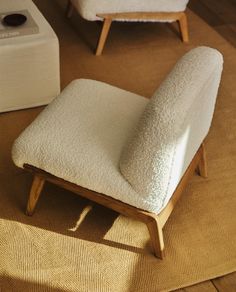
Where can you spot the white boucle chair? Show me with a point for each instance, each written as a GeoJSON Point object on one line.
{"type": "Point", "coordinates": [131, 10]}
{"type": "Point", "coordinates": [121, 150]}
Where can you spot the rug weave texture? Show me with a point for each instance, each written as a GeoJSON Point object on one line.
{"type": "Point", "coordinates": [61, 249]}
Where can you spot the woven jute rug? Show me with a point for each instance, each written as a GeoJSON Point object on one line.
{"type": "Point", "coordinates": [61, 249]}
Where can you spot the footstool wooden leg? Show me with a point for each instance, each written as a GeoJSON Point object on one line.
{"type": "Point", "coordinates": [103, 36]}
{"type": "Point", "coordinates": [156, 235]}
{"type": "Point", "coordinates": [183, 25]}
{"type": "Point", "coordinates": [35, 192]}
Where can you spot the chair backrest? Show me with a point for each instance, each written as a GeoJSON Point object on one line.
{"type": "Point", "coordinates": [172, 127]}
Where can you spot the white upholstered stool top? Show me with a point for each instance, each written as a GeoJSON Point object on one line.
{"type": "Point", "coordinates": [120, 144]}
{"type": "Point", "coordinates": [89, 9]}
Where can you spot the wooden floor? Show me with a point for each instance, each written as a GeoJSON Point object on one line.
{"type": "Point", "coordinates": [221, 15]}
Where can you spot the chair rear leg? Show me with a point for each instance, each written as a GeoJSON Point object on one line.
{"type": "Point", "coordinates": [183, 26]}
{"type": "Point", "coordinates": [36, 189]}
{"type": "Point", "coordinates": [69, 9]}
{"type": "Point", "coordinates": [202, 165]}
{"type": "Point", "coordinates": [156, 235]}
{"type": "Point", "coordinates": [103, 36]}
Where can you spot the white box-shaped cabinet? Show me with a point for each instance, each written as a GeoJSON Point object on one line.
{"type": "Point", "coordinates": [29, 64]}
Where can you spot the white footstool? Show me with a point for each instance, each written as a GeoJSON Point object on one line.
{"type": "Point", "coordinates": [29, 65]}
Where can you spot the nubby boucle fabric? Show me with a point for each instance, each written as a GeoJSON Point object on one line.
{"type": "Point", "coordinates": [82, 136]}
{"type": "Point", "coordinates": [172, 127]}
{"type": "Point", "coordinates": [89, 9]}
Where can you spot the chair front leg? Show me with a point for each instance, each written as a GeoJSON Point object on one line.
{"type": "Point", "coordinates": [183, 26]}
{"type": "Point", "coordinates": [36, 189]}
{"type": "Point", "coordinates": [156, 235]}
{"type": "Point", "coordinates": [103, 36]}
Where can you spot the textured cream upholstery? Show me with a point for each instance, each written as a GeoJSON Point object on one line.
{"type": "Point", "coordinates": [29, 65]}
{"type": "Point", "coordinates": [82, 136]}
{"type": "Point", "coordinates": [173, 126]}
{"type": "Point", "coordinates": [88, 9]}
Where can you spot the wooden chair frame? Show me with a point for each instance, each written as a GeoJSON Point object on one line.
{"type": "Point", "coordinates": [180, 17]}
{"type": "Point", "coordinates": [154, 222]}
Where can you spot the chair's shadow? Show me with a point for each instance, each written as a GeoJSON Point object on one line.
{"type": "Point", "coordinates": [101, 226]}
{"type": "Point", "coordinates": [66, 213]}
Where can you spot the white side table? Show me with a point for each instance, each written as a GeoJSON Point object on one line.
{"type": "Point", "coordinates": [29, 65]}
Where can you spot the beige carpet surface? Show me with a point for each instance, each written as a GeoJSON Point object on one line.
{"type": "Point", "coordinates": [56, 250]}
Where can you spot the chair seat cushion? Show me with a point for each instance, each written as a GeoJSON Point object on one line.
{"type": "Point", "coordinates": [89, 9]}
{"type": "Point", "coordinates": [79, 137]}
